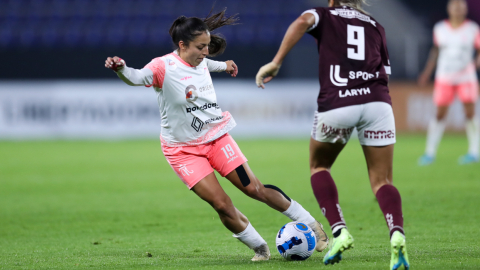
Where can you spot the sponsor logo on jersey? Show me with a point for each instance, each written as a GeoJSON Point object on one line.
{"type": "Point", "coordinates": [197, 124]}
{"type": "Point", "coordinates": [186, 78]}
{"type": "Point", "coordinates": [203, 107]}
{"type": "Point", "coordinates": [335, 76]}
{"type": "Point", "coordinates": [354, 92]}
{"type": "Point", "coordinates": [214, 119]}
{"type": "Point", "coordinates": [362, 75]}
{"type": "Point", "coordinates": [353, 14]}
{"type": "Point", "coordinates": [380, 134]}
{"type": "Point", "coordinates": [331, 131]}
{"type": "Point", "coordinates": [191, 93]}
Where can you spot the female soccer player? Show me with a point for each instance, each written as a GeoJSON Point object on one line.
{"type": "Point", "coordinates": [455, 41]}
{"type": "Point", "coordinates": [194, 134]}
{"type": "Point", "coordinates": [354, 68]}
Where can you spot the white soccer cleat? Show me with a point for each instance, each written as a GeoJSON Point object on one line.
{"type": "Point", "coordinates": [322, 238]}
{"type": "Point", "coordinates": [262, 253]}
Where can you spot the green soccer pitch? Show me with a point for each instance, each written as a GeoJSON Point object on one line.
{"type": "Point", "coordinates": [118, 205]}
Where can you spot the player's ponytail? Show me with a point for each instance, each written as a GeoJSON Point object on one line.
{"type": "Point", "coordinates": [187, 29]}
{"type": "Point", "coordinates": [355, 4]}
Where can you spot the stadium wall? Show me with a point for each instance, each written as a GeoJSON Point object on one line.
{"type": "Point", "coordinates": [108, 109]}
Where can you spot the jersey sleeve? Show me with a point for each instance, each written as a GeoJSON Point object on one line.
{"type": "Point", "coordinates": [384, 54]}
{"type": "Point", "coordinates": [157, 66]}
{"type": "Point", "coordinates": [314, 12]}
{"type": "Point", "coordinates": [215, 66]}
{"type": "Point", "coordinates": [135, 77]}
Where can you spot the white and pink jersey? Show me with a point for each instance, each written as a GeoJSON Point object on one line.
{"type": "Point", "coordinates": [457, 47]}
{"type": "Point", "coordinates": [188, 104]}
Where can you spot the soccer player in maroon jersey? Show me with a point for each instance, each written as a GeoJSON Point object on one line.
{"type": "Point", "coordinates": [353, 72]}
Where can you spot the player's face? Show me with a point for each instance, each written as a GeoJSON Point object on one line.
{"type": "Point", "coordinates": [457, 8]}
{"type": "Point", "coordinates": [196, 50]}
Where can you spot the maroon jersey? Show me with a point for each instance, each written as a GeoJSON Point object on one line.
{"type": "Point", "coordinates": [353, 56]}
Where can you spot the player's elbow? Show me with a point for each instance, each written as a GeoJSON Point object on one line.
{"type": "Point", "coordinates": [301, 24]}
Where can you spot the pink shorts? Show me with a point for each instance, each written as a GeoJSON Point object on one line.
{"type": "Point", "coordinates": [444, 94]}
{"type": "Point", "coordinates": [193, 163]}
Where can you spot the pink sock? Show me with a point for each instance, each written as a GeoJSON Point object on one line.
{"type": "Point", "coordinates": [391, 205]}
{"type": "Point", "coordinates": [326, 193]}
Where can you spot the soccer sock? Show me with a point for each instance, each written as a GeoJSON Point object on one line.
{"type": "Point", "coordinates": [434, 136]}
{"type": "Point", "coordinates": [296, 212]}
{"type": "Point", "coordinates": [250, 237]}
{"type": "Point", "coordinates": [326, 193]}
{"type": "Point", "coordinates": [391, 205]}
{"type": "Point", "coordinates": [473, 135]}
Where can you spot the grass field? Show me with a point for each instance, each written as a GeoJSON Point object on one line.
{"type": "Point", "coordinates": [104, 205]}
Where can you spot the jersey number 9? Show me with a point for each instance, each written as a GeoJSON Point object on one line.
{"type": "Point", "coordinates": [356, 37]}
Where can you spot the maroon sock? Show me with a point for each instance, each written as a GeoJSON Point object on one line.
{"type": "Point", "coordinates": [326, 193]}
{"type": "Point", "coordinates": [391, 204]}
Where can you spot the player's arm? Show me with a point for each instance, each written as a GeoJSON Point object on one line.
{"type": "Point", "coordinates": [294, 33]}
{"type": "Point", "coordinates": [228, 66]}
{"type": "Point", "coordinates": [478, 59]}
{"type": "Point", "coordinates": [429, 67]}
{"type": "Point", "coordinates": [131, 76]}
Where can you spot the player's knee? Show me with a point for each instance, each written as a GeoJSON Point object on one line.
{"type": "Point", "coordinates": [441, 114]}
{"type": "Point", "coordinates": [256, 192]}
{"type": "Point", "coordinates": [223, 207]}
{"type": "Point", "coordinates": [380, 182]}
{"type": "Point", "coordinates": [470, 114]}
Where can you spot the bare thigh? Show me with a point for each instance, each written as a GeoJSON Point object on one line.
{"type": "Point", "coordinates": [379, 164]}
{"type": "Point", "coordinates": [323, 155]}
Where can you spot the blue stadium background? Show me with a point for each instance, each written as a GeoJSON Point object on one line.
{"type": "Point", "coordinates": [46, 39]}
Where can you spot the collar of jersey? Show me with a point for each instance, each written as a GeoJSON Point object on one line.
{"type": "Point", "coordinates": [175, 54]}
{"type": "Point", "coordinates": [458, 27]}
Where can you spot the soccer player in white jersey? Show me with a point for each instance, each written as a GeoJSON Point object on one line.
{"type": "Point", "coordinates": [194, 132]}
{"type": "Point", "coordinates": [455, 42]}
{"type": "Point", "coordinates": [353, 73]}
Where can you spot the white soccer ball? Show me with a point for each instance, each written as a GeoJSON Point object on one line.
{"type": "Point", "coordinates": [296, 241]}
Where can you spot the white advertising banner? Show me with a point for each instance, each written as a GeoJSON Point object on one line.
{"type": "Point", "coordinates": [109, 109]}
{"type": "Point", "coordinates": [421, 110]}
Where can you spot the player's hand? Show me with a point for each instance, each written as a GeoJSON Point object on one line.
{"type": "Point", "coordinates": [266, 74]}
{"type": "Point", "coordinates": [232, 68]}
{"type": "Point", "coordinates": [114, 63]}
{"type": "Point", "coordinates": [423, 79]}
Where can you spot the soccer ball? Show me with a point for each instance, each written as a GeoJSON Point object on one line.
{"type": "Point", "coordinates": [296, 241]}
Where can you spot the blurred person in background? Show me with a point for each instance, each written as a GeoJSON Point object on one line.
{"type": "Point", "coordinates": [455, 41]}
{"type": "Point", "coordinates": [194, 135]}
{"type": "Point", "coordinates": [354, 70]}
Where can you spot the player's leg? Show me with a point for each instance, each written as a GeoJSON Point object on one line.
{"type": "Point", "coordinates": [379, 163]}
{"type": "Point", "coordinates": [193, 168]}
{"type": "Point", "coordinates": [443, 96]}
{"type": "Point", "coordinates": [378, 150]}
{"type": "Point", "coordinates": [230, 162]}
{"type": "Point", "coordinates": [322, 157]}
{"type": "Point", "coordinates": [331, 131]}
{"type": "Point", "coordinates": [245, 180]}
{"type": "Point", "coordinates": [210, 191]}
{"type": "Point", "coordinates": [468, 94]}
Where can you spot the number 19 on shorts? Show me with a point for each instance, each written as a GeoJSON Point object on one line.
{"type": "Point", "coordinates": [228, 151]}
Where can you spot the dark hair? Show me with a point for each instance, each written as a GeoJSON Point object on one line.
{"type": "Point", "coordinates": [187, 29]}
